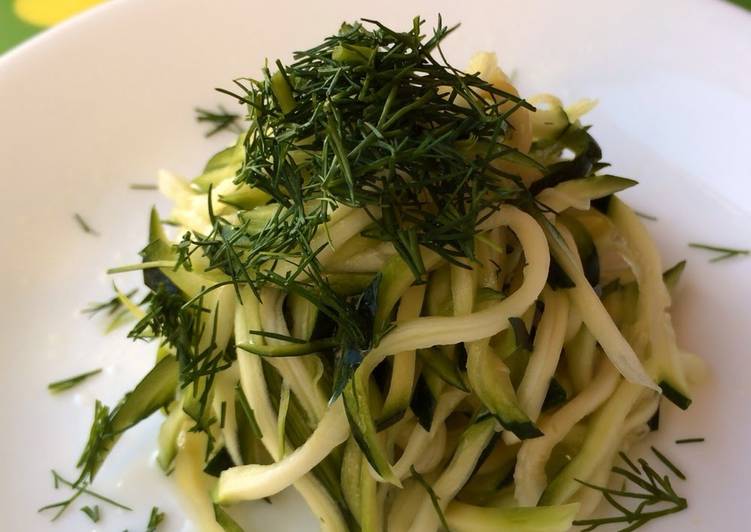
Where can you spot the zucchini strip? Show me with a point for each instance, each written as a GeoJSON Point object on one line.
{"type": "Point", "coordinates": [403, 370]}
{"type": "Point", "coordinates": [529, 474]}
{"type": "Point", "coordinates": [544, 358]}
{"type": "Point", "coordinates": [352, 463]}
{"type": "Point", "coordinates": [250, 482]}
{"type": "Point", "coordinates": [293, 370]}
{"type": "Point", "coordinates": [253, 383]}
{"type": "Point", "coordinates": [224, 405]}
{"type": "Point", "coordinates": [194, 483]}
{"type": "Point", "coordinates": [603, 434]}
{"type": "Point", "coordinates": [653, 302]}
{"type": "Point", "coordinates": [467, 518]}
{"type": "Point", "coordinates": [593, 313]}
{"type": "Point", "coordinates": [439, 330]}
{"type": "Point", "coordinates": [578, 193]}
{"type": "Point", "coordinates": [488, 375]}
{"type": "Point", "coordinates": [396, 279]}
{"type": "Point", "coordinates": [581, 355]}
{"type": "Point", "coordinates": [420, 439]}
{"type": "Point", "coordinates": [472, 444]}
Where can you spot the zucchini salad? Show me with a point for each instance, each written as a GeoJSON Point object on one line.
{"type": "Point", "coordinates": [410, 294]}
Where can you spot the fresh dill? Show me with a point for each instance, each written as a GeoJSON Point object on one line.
{"type": "Point", "coordinates": [85, 227]}
{"type": "Point", "coordinates": [723, 253]}
{"type": "Point", "coordinates": [670, 465]}
{"type": "Point", "coordinates": [155, 519]}
{"type": "Point", "coordinates": [92, 512]}
{"type": "Point", "coordinates": [67, 384]}
{"type": "Point", "coordinates": [79, 490]}
{"type": "Point", "coordinates": [690, 440]}
{"type": "Point", "coordinates": [433, 497]}
{"type": "Point", "coordinates": [143, 186]}
{"type": "Point", "coordinates": [372, 119]}
{"type": "Point", "coordinates": [656, 495]}
{"type": "Point", "coordinates": [114, 308]}
{"type": "Point", "coordinates": [646, 216]}
{"type": "Point", "coordinates": [220, 120]}
{"type": "Point", "coordinates": [110, 307]}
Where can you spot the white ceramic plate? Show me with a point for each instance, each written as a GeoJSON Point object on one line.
{"type": "Point", "coordinates": [107, 99]}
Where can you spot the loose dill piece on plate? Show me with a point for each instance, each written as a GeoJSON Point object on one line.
{"type": "Point", "coordinates": [670, 465]}
{"type": "Point", "coordinates": [79, 490]}
{"type": "Point", "coordinates": [119, 309]}
{"type": "Point", "coordinates": [155, 519]}
{"type": "Point", "coordinates": [109, 307]}
{"type": "Point", "coordinates": [67, 384]}
{"type": "Point", "coordinates": [85, 227]}
{"type": "Point", "coordinates": [92, 512]}
{"type": "Point", "coordinates": [653, 491]}
{"type": "Point", "coordinates": [646, 216]}
{"type": "Point", "coordinates": [689, 440]}
{"type": "Point", "coordinates": [219, 120]}
{"type": "Point", "coordinates": [142, 186]}
{"type": "Point", "coordinates": [722, 253]}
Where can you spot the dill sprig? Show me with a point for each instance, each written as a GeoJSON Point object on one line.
{"type": "Point", "coordinates": [109, 307]}
{"type": "Point", "coordinates": [646, 216]}
{"type": "Point", "coordinates": [690, 440]}
{"type": "Point", "coordinates": [723, 253]}
{"type": "Point", "coordinates": [93, 513]}
{"type": "Point", "coordinates": [67, 384]}
{"type": "Point", "coordinates": [656, 495]}
{"type": "Point", "coordinates": [83, 224]}
{"type": "Point", "coordinates": [155, 519]}
{"type": "Point", "coordinates": [79, 490]}
{"type": "Point", "coordinates": [113, 308]}
{"type": "Point", "coordinates": [220, 120]}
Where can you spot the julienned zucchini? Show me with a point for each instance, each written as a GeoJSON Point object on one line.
{"type": "Point", "coordinates": [403, 364]}
{"type": "Point", "coordinates": [653, 303]}
{"type": "Point", "coordinates": [160, 248]}
{"type": "Point", "coordinates": [361, 420]}
{"type": "Point", "coordinates": [396, 279]}
{"type": "Point", "coordinates": [156, 389]}
{"type": "Point", "coordinates": [448, 370]}
{"type": "Point", "coordinates": [492, 384]}
{"type": "Point", "coordinates": [223, 165]}
{"type": "Point", "coordinates": [463, 517]}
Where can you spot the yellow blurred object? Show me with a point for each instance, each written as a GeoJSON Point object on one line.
{"type": "Point", "coordinates": [49, 12]}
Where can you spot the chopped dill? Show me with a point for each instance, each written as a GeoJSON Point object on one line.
{"type": "Point", "coordinates": [79, 490]}
{"type": "Point", "coordinates": [723, 253]}
{"type": "Point", "coordinates": [67, 384]}
{"type": "Point", "coordinates": [155, 519]}
{"type": "Point", "coordinates": [220, 120]}
{"type": "Point", "coordinates": [85, 227]}
{"type": "Point", "coordinates": [93, 513]}
{"type": "Point", "coordinates": [690, 440]}
{"type": "Point", "coordinates": [646, 216]}
{"type": "Point", "coordinates": [655, 494]}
